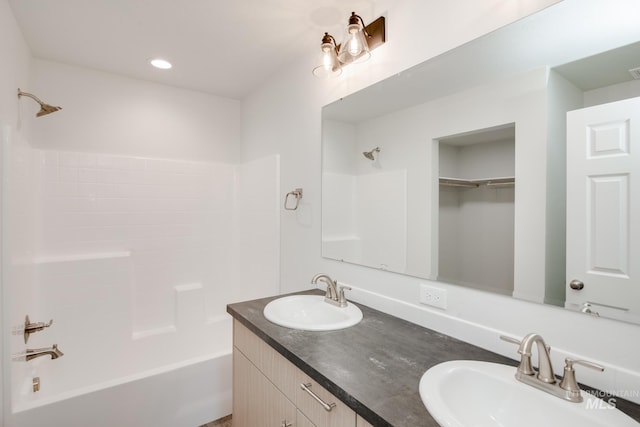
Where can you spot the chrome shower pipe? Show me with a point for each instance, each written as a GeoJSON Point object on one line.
{"type": "Point", "coordinates": [44, 108]}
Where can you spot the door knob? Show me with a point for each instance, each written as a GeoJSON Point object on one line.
{"type": "Point", "coordinates": [576, 284]}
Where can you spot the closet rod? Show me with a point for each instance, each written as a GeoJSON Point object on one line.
{"type": "Point", "coordinates": [461, 183]}
{"type": "Point", "coordinates": [474, 183]}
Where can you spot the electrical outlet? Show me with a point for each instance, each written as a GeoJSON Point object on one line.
{"type": "Point", "coordinates": [435, 297]}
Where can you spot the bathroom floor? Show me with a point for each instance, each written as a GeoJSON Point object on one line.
{"type": "Point", "coordinates": [222, 422]}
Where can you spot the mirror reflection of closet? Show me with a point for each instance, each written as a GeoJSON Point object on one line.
{"type": "Point", "coordinates": [476, 208]}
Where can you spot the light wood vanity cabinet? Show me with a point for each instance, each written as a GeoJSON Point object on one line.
{"type": "Point", "coordinates": [267, 390]}
{"type": "Point", "coordinates": [256, 401]}
{"type": "Point", "coordinates": [360, 422]}
{"type": "Point", "coordinates": [340, 414]}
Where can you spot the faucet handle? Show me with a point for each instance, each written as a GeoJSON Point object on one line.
{"type": "Point", "coordinates": [32, 328]}
{"type": "Point", "coordinates": [569, 382]}
{"type": "Point", "coordinates": [510, 340]}
{"type": "Point", "coordinates": [341, 298]}
{"type": "Point", "coordinates": [518, 342]}
{"type": "Point", "coordinates": [584, 363]}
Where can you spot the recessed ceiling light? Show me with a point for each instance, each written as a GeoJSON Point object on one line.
{"type": "Point", "coordinates": [161, 63]}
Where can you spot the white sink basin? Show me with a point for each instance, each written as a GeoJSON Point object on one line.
{"type": "Point", "coordinates": [311, 313]}
{"type": "Point", "coordinates": [482, 394]}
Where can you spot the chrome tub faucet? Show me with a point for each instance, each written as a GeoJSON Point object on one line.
{"type": "Point", "coordinates": [54, 352]}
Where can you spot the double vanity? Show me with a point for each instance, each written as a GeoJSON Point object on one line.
{"type": "Point", "coordinates": [378, 372]}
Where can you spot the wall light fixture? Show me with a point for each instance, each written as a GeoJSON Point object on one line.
{"type": "Point", "coordinates": [328, 64]}
{"type": "Point", "coordinates": [360, 40]}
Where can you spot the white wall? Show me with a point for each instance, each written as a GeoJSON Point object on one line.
{"type": "Point", "coordinates": [16, 59]}
{"type": "Point", "coordinates": [381, 219]}
{"type": "Point", "coordinates": [365, 220]}
{"type": "Point", "coordinates": [476, 225]}
{"type": "Point", "coordinates": [563, 96]}
{"type": "Point", "coordinates": [417, 30]}
{"type": "Point", "coordinates": [612, 93]}
{"type": "Point", "coordinates": [14, 73]}
{"type": "Point", "coordinates": [107, 113]}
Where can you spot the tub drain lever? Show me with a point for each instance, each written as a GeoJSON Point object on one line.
{"type": "Point", "coordinates": [32, 328]}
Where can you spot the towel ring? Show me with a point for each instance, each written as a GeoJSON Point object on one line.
{"type": "Point", "coordinates": [297, 194]}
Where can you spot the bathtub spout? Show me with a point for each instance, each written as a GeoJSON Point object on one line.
{"type": "Point", "coordinates": [53, 352]}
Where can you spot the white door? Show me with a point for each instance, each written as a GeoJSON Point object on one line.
{"type": "Point", "coordinates": [603, 209]}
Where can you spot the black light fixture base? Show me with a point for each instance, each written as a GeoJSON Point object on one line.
{"type": "Point", "coordinates": [376, 34]}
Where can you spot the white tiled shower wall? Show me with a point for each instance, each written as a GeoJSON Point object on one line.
{"type": "Point", "coordinates": [174, 217]}
{"type": "Point", "coordinates": [136, 259]}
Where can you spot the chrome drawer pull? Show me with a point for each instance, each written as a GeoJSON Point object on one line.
{"type": "Point", "coordinates": [327, 406]}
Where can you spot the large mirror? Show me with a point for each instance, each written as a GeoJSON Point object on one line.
{"type": "Point", "coordinates": [456, 170]}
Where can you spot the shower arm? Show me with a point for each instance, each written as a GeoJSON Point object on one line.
{"type": "Point", "coordinates": [44, 107]}
{"type": "Point", "coordinates": [29, 95]}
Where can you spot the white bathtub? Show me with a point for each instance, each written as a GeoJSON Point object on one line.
{"type": "Point", "coordinates": [110, 375]}
{"type": "Point", "coordinates": [186, 394]}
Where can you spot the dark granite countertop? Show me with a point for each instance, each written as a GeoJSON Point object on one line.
{"type": "Point", "coordinates": [374, 367]}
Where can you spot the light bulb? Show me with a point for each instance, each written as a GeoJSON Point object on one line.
{"type": "Point", "coordinates": [329, 66]}
{"type": "Point", "coordinates": [354, 47]}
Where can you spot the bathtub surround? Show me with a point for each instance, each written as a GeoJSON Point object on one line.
{"type": "Point", "coordinates": [168, 222]}
{"type": "Point", "coordinates": [137, 254]}
{"type": "Point", "coordinates": [133, 255]}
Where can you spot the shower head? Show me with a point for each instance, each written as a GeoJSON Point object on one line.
{"type": "Point", "coordinates": [369, 154]}
{"type": "Point", "coordinates": [44, 108]}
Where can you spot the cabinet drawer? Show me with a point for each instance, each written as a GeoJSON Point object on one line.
{"type": "Point", "coordinates": [339, 415]}
{"type": "Point", "coordinates": [271, 363]}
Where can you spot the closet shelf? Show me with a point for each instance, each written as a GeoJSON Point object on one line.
{"type": "Point", "coordinates": [474, 183]}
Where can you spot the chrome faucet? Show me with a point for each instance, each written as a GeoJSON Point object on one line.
{"type": "Point", "coordinates": [544, 379]}
{"type": "Point", "coordinates": [333, 295]}
{"type": "Point", "coordinates": [332, 285]}
{"type": "Point", "coordinates": [545, 370]}
{"type": "Point", "coordinates": [38, 352]}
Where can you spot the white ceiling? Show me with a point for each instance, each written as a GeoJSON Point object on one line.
{"type": "Point", "coordinates": [223, 47]}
